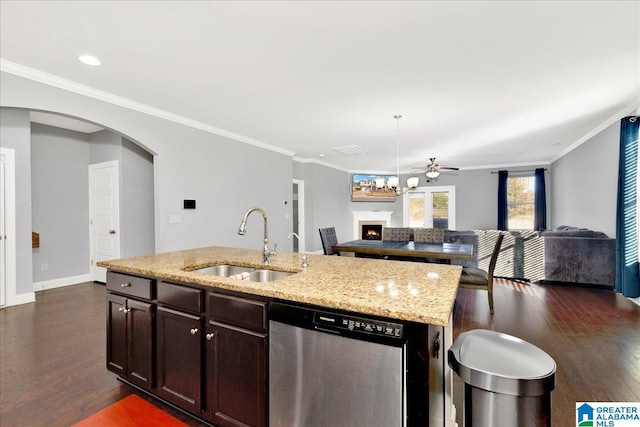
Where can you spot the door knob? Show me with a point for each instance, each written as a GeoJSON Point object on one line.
{"type": "Point", "coordinates": [194, 331]}
{"type": "Point", "coordinates": [112, 231]}
{"type": "Point", "coordinates": [209, 337]}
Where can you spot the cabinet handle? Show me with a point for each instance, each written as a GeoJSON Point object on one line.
{"type": "Point", "coordinates": [124, 310]}
{"type": "Point", "coordinates": [121, 309]}
{"type": "Point", "coordinates": [209, 337]}
{"type": "Point", "coordinates": [194, 331]}
{"type": "Point", "coordinates": [125, 285]}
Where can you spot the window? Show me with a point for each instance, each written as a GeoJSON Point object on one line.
{"type": "Point", "coordinates": [521, 202]}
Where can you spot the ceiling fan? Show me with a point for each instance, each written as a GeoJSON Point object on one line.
{"type": "Point", "coordinates": [432, 170]}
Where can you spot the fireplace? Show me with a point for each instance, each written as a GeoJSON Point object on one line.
{"type": "Point", "coordinates": [371, 231]}
{"type": "Point", "coordinates": [368, 218]}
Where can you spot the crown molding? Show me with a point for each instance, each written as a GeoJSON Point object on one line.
{"type": "Point", "coordinates": [71, 86]}
{"type": "Point", "coordinates": [629, 109]}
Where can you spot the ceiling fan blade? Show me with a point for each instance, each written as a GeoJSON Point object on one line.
{"type": "Point", "coordinates": [417, 170]}
{"type": "Point", "coordinates": [449, 168]}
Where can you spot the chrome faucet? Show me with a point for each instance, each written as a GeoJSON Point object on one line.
{"type": "Point", "coordinates": [305, 264]}
{"type": "Point", "coordinates": [242, 230]}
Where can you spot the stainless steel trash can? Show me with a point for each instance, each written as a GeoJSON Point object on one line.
{"type": "Point", "coordinates": [507, 381]}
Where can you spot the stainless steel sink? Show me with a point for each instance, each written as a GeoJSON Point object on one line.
{"type": "Point", "coordinates": [268, 275]}
{"type": "Point", "coordinates": [224, 270]}
{"type": "Point", "coordinates": [243, 273]}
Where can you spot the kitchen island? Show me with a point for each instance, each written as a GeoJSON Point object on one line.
{"type": "Point", "coordinates": [152, 299]}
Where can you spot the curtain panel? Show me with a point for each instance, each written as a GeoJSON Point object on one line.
{"type": "Point", "coordinates": [503, 209]}
{"type": "Point", "coordinates": [540, 202]}
{"type": "Point", "coordinates": [627, 273]}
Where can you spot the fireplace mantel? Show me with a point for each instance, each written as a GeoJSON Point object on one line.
{"type": "Point", "coordinates": [382, 217]}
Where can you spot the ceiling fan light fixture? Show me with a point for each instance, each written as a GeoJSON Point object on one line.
{"type": "Point", "coordinates": [433, 174]}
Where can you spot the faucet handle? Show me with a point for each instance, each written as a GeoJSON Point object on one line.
{"type": "Point", "coordinates": [305, 264]}
{"type": "Point", "coordinates": [274, 251]}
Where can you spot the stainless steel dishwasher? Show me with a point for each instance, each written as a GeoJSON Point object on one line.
{"type": "Point", "coordinates": [329, 369]}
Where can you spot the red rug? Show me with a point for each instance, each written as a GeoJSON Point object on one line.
{"type": "Point", "coordinates": [131, 411]}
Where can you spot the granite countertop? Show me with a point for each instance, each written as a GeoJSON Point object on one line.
{"type": "Point", "coordinates": [412, 291]}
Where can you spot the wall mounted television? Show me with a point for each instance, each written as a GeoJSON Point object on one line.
{"type": "Point", "coordinates": [371, 188]}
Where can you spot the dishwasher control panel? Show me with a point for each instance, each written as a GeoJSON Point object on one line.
{"type": "Point", "coordinates": [340, 322]}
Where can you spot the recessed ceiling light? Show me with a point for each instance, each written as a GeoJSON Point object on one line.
{"type": "Point", "coordinates": [89, 60]}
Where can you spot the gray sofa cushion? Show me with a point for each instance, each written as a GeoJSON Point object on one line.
{"type": "Point", "coordinates": [568, 233]}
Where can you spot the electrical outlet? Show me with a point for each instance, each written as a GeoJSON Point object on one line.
{"type": "Point", "coordinates": [44, 267]}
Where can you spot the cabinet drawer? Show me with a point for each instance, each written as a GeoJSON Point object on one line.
{"type": "Point", "coordinates": [130, 285]}
{"type": "Point", "coordinates": [236, 311]}
{"type": "Point", "coordinates": [180, 297]}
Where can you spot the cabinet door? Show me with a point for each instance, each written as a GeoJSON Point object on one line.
{"type": "Point", "coordinates": [236, 385]}
{"type": "Point", "coordinates": [140, 343]}
{"type": "Point", "coordinates": [178, 358]}
{"type": "Point", "coordinates": [117, 334]}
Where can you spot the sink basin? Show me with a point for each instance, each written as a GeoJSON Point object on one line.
{"type": "Point", "coordinates": [224, 270]}
{"type": "Point", "coordinates": [268, 275]}
{"type": "Point", "coordinates": [243, 273]}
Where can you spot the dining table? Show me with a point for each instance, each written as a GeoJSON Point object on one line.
{"type": "Point", "coordinates": [408, 250]}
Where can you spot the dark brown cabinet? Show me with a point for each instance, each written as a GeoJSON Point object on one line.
{"type": "Point", "coordinates": [236, 361]}
{"type": "Point", "coordinates": [179, 348]}
{"type": "Point", "coordinates": [207, 355]}
{"type": "Point", "coordinates": [130, 338]}
{"type": "Point", "coordinates": [235, 376]}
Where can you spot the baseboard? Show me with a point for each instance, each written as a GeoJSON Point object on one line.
{"type": "Point", "coordinates": [574, 284]}
{"type": "Point", "coordinates": [58, 283]}
{"type": "Point", "coordinates": [24, 298]}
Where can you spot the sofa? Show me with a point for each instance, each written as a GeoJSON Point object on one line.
{"type": "Point", "coordinates": [575, 255]}
{"type": "Point", "coordinates": [565, 255]}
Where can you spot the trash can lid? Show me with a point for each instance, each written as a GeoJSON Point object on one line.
{"type": "Point", "coordinates": [502, 363]}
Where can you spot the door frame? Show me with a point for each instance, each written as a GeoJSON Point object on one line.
{"type": "Point", "coordinates": [9, 263]}
{"type": "Point", "coordinates": [301, 215]}
{"type": "Point", "coordinates": [94, 275]}
{"type": "Point", "coordinates": [451, 189]}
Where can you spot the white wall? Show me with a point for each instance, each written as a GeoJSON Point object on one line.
{"type": "Point", "coordinates": [585, 184]}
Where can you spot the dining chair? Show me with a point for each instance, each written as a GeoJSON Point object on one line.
{"type": "Point", "coordinates": [476, 278]}
{"type": "Point", "coordinates": [428, 235]}
{"type": "Point", "coordinates": [328, 238]}
{"type": "Point", "coordinates": [396, 234]}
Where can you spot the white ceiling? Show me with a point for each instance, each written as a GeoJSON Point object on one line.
{"type": "Point", "coordinates": [478, 83]}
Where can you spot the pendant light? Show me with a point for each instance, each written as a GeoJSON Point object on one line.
{"type": "Point", "coordinates": [394, 181]}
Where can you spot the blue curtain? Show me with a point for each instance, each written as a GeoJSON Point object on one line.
{"type": "Point", "coordinates": [540, 202]}
{"type": "Point", "coordinates": [503, 210]}
{"type": "Point", "coordinates": [627, 275]}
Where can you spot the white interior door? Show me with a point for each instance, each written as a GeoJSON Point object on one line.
{"type": "Point", "coordinates": [431, 207]}
{"type": "Point", "coordinates": [3, 268]}
{"type": "Point", "coordinates": [104, 216]}
{"type": "Point", "coordinates": [8, 260]}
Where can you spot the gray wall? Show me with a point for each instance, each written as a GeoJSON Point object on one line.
{"type": "Point", "coordinates": [585, 184]}
{"type": "Point", "coordinates": [60, 201]}
{"type": "Point", "coordinates": [15, 133]}
{"type": "Point", "coordinates": [225, 177]}
{"type": "Point", "coordinates": [137, 226]}
{"type": "Point", "coordinates": [326, 202]}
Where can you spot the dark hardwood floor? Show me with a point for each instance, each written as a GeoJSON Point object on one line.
{"type": "Point", "coordinates": [593, 336]}
{"type": "Point", "coordinates": [52, 352]}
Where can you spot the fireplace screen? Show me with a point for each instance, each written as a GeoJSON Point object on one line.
{"type": "Point", "coordinates": [371, 232]}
